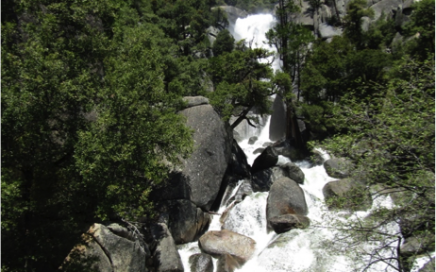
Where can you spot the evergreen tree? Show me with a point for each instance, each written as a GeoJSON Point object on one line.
{"type": "Point", "coordinates": [86, 123]}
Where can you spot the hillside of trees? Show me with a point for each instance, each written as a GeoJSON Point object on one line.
{"type": "Point", "coordinates": [91, 92]}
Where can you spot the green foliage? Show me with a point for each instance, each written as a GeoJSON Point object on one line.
{"type": "Point", "coordinates": [90, 95]}
{"type": "Point", "coordinates": [391, 140]}
{"type": "Point", "coordinates": [356, 10]}
{"type": "Point", "coordinates": [224, 43]}
{"type": "Point", "coordinates": [242, 82]}
{"type": "Point", "coordinates": [422, 27]}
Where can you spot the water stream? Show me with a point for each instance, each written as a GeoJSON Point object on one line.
{"type": "Point", "coordinates": [296, 250]}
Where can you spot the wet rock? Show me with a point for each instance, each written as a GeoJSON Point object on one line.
{"type": "Point", "coordinates": [268, 158]}
{"type": "Point", "coordinates": [286, 222]}
{"type": "Point", "coordinates": [285, 197]}
{"type": "Point", "coordinates": [201, 263]}
{"type": "Point", "coordinates": [223, 242]}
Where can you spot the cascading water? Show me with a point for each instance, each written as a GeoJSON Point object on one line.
{"type": "Point", "coordinates": [297, 250]}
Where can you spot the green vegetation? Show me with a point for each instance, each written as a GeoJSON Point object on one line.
{"type": "Point", "coordinates": [91, 92]}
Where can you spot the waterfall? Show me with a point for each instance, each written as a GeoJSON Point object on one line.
{"type": "Point", "coordinates": [297, 250]}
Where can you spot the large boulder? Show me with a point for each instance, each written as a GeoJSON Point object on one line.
{"type": "Point", "coordinates": [347, 194]}
{"type": "Point", "coordinates": [338, 167]}
{"type": "Point", "coordinates": [268, 158]}
{"type": "Point", "coordinates": [217, 243]}
{"type": "Point", "coordinates": [262, 180]}
{"type": "Point", "coordinates": [200, 176]}
{"type": "Point", "coordinates": [286, 222]}
{"type": "Point", "coordinates": [166, 258]}
{"type": "Point", "coordinates": [285, 197]}
{"type": "Point", "coordinates": [104, 250]}
{"type": "Point", "coordinates": [186, 221]}
{"type": "Point", "coordinates": [201, 262]}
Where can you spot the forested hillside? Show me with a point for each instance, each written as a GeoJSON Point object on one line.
{"type": "Point", "coordinates": [92, 90]}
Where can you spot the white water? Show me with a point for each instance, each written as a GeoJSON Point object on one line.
{"type": "Point", "coordinates": [313, 249]}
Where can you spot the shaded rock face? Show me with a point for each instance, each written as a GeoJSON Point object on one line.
{"type": "Point", "coordinates": [166, 258]}
{"type": "Point", "coordinates": [268, 158]}
{"type": "Point", "coordinates": [224, 242]}
{"type": "Point", "coordinates": [186, 221]}
{"type": "Point", "coordinates": [347, 194]}
{"type": "Point", "coordinates": [262, 180]}
{"type": "Point", "coordinates": [285, 197]}
{"type": "Point", "coordinates": [277, 128]}
{"type": "Point", "coordinates": [201, 263]}
{"type": "Point", "coordinates": [238, 169]}
{"type": "Point", "coordinates": [104, 250]}
{"type": "Point", "coordinates": [338, 167]}
{"type": "Point", "coordinates": [286, 222]}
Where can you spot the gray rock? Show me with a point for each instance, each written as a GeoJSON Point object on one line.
{"type": "Point", "coordinates": [347, 194]}
{"type": "Point", "coordinates": [266, 159]}
{"type": "Point", "coordinates": [285, 197]}
{"type": "Point", "coordinates": [293, 172]}
{"type": "Point", "coordinates": [193, 101]}
{"type": "Point", "coordinates": [201, 263]}
{"type": "Point", "coordinates": [338, 167]}
{"type": "Point", "coordinates": [387, 7]}
{"type": "Point", "coordinates": [166, 258]}
{"type": "Point", "coordinates": [186, 221]}
{"type": "Point", "coordinates": [223, 242]}
{"type": "Point", "coordinates": [286, 222]}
